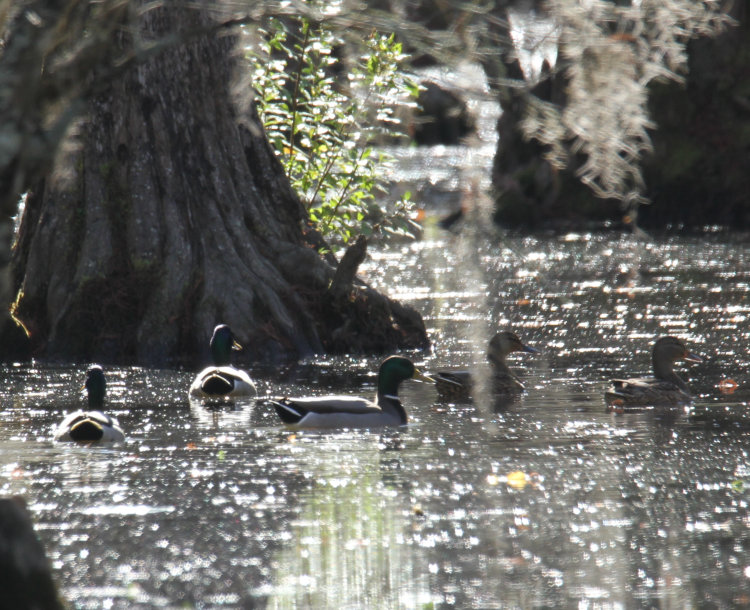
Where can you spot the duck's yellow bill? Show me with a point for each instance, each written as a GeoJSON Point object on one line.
{"type": "Point", "coordinates": [420, 376]}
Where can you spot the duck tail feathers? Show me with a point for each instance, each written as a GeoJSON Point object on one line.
{"type": "Point", "coordinates": [615, 393]}
{"type": "Point", "coordinates": [87, 429]}
{"type": "Point", "coordinates": [287, 413]}
{"type": "Point", "coordinates": [217, 385]}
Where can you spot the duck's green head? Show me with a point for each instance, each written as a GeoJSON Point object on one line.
{"type": "Point", "coordinates": [393, 371]}
{"type": "Point", "coordinates": [222, 344]}
{"type": "Point", "coordinates": [95, 386]}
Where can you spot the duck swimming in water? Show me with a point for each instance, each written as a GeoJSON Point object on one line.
{"type": "Point", "coordinates": [222, 381]}
{"type": "Point", "coordinates": [458, 385]}
{"type": "Point", "coordinates": [91, 425]}
{"type": "Point", "coordinates": [665, 387]}
{"type": "Point", "coordinates": [353, 411]}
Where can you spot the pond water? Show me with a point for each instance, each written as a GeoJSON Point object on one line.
{"type": "Point", "coordinates": [548, 502]}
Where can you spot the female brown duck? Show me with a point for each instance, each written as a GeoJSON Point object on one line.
{"type": "Point", "coordinates": [665, 387]}
{"type": "Point", "coordinates": [457, 385]}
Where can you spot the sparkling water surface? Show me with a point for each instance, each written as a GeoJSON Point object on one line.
{"type": "Point", "coordinates": [547, 502]}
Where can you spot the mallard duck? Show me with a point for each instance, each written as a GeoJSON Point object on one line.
{"type": "Point", "coordinates": [91, 425]}
{"type": "Point", "coordinates": [458, 385]}
{"type": "Point", "coordinates": [352, 411]}
{"type": "Point", "coordinates": [222, 381]}
{"type": "Point", "coordinates": [665, 387]}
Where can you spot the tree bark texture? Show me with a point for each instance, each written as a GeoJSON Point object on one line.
{"type": "Point", "coordinates": [38, 100]}
{"type": "Point", "coordinates": [172, 215]}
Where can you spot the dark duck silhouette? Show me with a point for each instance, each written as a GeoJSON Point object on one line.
{"type": "Point", "coordinates": [458, 385]}
{"type": "Point", "coordinates": [665, 387]}
{"type": "Point", "coordinates": [92, 424]}
{"type": "Point", "coordinates": [222, 381]}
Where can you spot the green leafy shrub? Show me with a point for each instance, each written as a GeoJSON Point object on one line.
{"type": "Point", "coordinates": [322, 115]}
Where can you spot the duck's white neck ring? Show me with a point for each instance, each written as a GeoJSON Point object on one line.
{"type": "Point", "coordinates": [391, 397]}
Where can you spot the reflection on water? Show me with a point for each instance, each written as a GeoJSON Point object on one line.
{"type": "Point", "coordinates": [349, 537]}
{"type": "Point", "coordinates": [545, 502]}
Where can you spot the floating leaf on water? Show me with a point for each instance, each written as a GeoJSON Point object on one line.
{"type": "Point", "coordinates": [517, 480]}
{"type": "Point", "coordinates": [728, 386]}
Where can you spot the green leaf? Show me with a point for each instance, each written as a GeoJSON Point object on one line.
{"type": "Point", "coordinates": [320, 128]}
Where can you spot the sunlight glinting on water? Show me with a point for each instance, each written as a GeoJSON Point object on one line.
{"type": "Point", "coordinates": [547, 500]}
{"type": "Point", "coordinates": [350, 528]}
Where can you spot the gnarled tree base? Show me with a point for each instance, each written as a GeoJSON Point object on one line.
{"type": "Point", "coordinates": [169, 214]}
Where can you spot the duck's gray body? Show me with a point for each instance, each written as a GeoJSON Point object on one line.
{"type": "Point", "coordinates": [352, 411]}
{"type": "Point", "coordinates": [456, 385]}
{"type": "Point", "coordinates": [647, 391]}
{"type": "Point", "coordinates": [340, 412]}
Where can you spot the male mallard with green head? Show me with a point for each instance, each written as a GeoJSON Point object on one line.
{"type": "Point", "coordinates": [92, 425]}
{"type": "Point", "coordinates": [353, 411]}
{"type": "Point", "coordinates": [222, 381]}
{"type": "Point", "coordinates": [458, 385]}
{"type": "Point", "coordinates": [665, 387]}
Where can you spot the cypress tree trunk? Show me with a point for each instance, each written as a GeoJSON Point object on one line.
{"type": "Point", "coordinates": [171, 215]}
{"type": "Point", "coordinates": [38, 100]}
